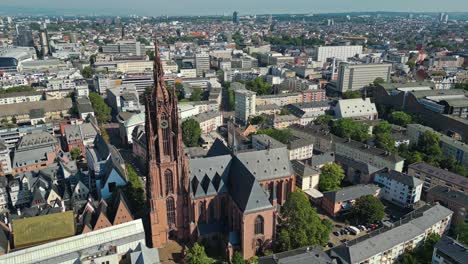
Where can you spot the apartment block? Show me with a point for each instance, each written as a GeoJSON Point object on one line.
{"type": "Point", "coordinates": [385, 246]}
{"type": "Point", "coordinates": [354, 77]}
{"type": "Point", "coordinates": [338, 52]}
{"type": "Point", "coordinates": [244, 104]}
{"type": "Point", "coordinates": [398, 188]}
{"type": "Point", "coordinates": [433, 176]}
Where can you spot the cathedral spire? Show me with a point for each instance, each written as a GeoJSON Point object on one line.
{"type": "Point", "coordinates": [160, 92]}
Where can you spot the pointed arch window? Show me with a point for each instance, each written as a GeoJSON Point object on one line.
{"type": "Point", "coordinates": [259, 225]}
{"type": "Point", "coordinates": [171, 214]}
{"type": "Point", "coordinates": [169, 178]}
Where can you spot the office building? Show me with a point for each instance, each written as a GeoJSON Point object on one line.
{"type": "Point", "coordinates": [11, 58]}
{"type": "Point", "coordinates": [337, 52]}
{"type": "Point", "coordinates": [44, 41]}
{"type": "Point", "coordinates": [244, 105]}
{"type": "Point", "coordinates": [202, 63]}
{"type": "Point", "coordinates": [388, 245]}
{"type": "Point", "coordinates": [125, 46]}
{"type": "Point", "coordinates": [354, 77]}
{"type": "Point", "coordinates": [24, 37]}
{"type": "Point", "coordinates": [235, 17]}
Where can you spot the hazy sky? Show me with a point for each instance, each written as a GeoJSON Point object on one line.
{"type": "Point", "coordinates": [219, 7]}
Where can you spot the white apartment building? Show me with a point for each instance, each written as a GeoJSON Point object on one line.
{"type": "Point", "coordinates": [338, 52]}
{"type": "Point", "coordinates": [20, 97]}
{"type": "Point", "coordinates": [385, 247]}
{"type": "Point", "coordinates": [244, 104]}
{"type": "Point", "coordinates": [209, 121]}
{"type": "Point", "coordinates": [5, 160]}
{"type": "Point", "coordinates": [398, 188]}
{"type": "Point", "coordinates": [356, 108]}
{"type": "Point", "coordinates": [354, 77]}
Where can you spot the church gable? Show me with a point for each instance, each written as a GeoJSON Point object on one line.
{"type": "Point", "coordinates": [102, 222]}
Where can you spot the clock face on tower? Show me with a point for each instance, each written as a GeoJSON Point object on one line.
{"type": "Point", "coordinates": [164, 123]}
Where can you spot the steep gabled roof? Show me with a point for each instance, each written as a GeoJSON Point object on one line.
{"type": "Point", "coordinates": [246, 191]}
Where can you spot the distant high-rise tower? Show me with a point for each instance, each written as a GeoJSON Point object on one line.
{"type": "Point", "coordinates": [123, 31]}
{"type": "Point", "coordinates": [44, 41]}
{"type": "Point", "coordinates": [235, 17]}
{"type": "Point", "coordinates": [270, 19]}
{"type": "Point", "coordinates": [24, 37]}
{"type": "Point", "coordinates": [441, 17]}
{"type": "Point", "coordinates": [446, 17]}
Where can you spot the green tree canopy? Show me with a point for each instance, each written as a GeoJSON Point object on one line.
{"type": "Point", "coordinates": [75, 153]}
{"type": "Point", "coordinates": [378, 81]}
{"type": "Point", "coordinates": [348, 128]}
{"type": "Point", "coordinates": [282, 135]}
{"type": "Point", "coordinates": [323, 120]}
{"type": "Point", "coordinates": [191, 132]}
{"type": "Point", "coordinates": [385, 141]}
{"type": "Point", "coordinates": [237, 258]}
{"type": "Point", "coordinates": [351, 94]}
{"type": "Point", "coordinates": [197, 94]}
{"type": "Point", "coordinates": [259, 86]}
{"type": "Point", "coordinates": [400, 118]}
{"type": "Point", "coordinates": [297, 212]}
{"type": "Point", "coordinates": [368, 209]}
{"type": "Point", "coordinates": [257, 120]}
{"type": "Point", "coordinates": [461, 232]}
{"type": "Point", "coordinates": [197, 255]}
{"type": "Point", "coordinates": [87, 72]}
{"type": "Point", "coordinates": [101, 109]}
{"type": "Point", "coordinates": [382, 127]}
{"type": "Point", "coordinates": [330, 177]}
{"type": "Point", "coordinates": [134, 191]}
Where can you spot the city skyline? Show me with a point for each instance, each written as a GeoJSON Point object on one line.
{"type": "Point", "coordinates": [211, 7]}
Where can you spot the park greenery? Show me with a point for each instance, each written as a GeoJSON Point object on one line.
{"type": "Point", "coordinates": [348, 128]}
{"type": "Point", "coordinates": [330, 177]}
{"type": "Point", "coordinates": [101, 109]}
{"type": "Point", "coordinates": [191, 132]}
{"type": "Point", "coordinates": [368, 210]}
{"type": "Point", "coordinates": [197, 94]}
{"type": "Point", "coordinates": [297, 212]}
{"type": "Point", "coordinates": [282, 135]}
{"type": "Point", "coordinates": [197, 255]}
{"type": "Point", "coordinates": [383, 136]}
{"type": "Point", "coordinates": [237, 258]}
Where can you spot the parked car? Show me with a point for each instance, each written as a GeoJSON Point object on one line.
{"type": "Point", "coordinates": [354, 230]}
{"type": "Point", "coordinates": [337, 233]}
{"type": "Point", "coordinates": [330, 244]}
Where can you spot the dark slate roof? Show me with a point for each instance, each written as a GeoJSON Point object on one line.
{"type": "Point", "coordinates": [399, 177]}
{"type": "Point", "coordinates": [364, 168]}
{"type": "Point", "coordinates": [449, 194]}
{"type": "Point", "coordinates": [245, 189]}
{"type": "Point", "coordinates": [111, 164]}
{"type": "Point", "coordinates": [455, 250]}
{"type": "Point", "coordinates": [322, 159]}
{"type": "Point", "coordinates": [303, 170]}
{"type": "Point", "coordinates": [267, 164]}
{"type": "Point", "coordinates": [218, 149]}
{"type": "Point", "coordinates": [208, 176]}
{"type": "Point", "coordinates": [439, 173]}
{"type": "Point", "coordinates": [351, 192]}
{"type": "Point", "coordinates": [305, 255]}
